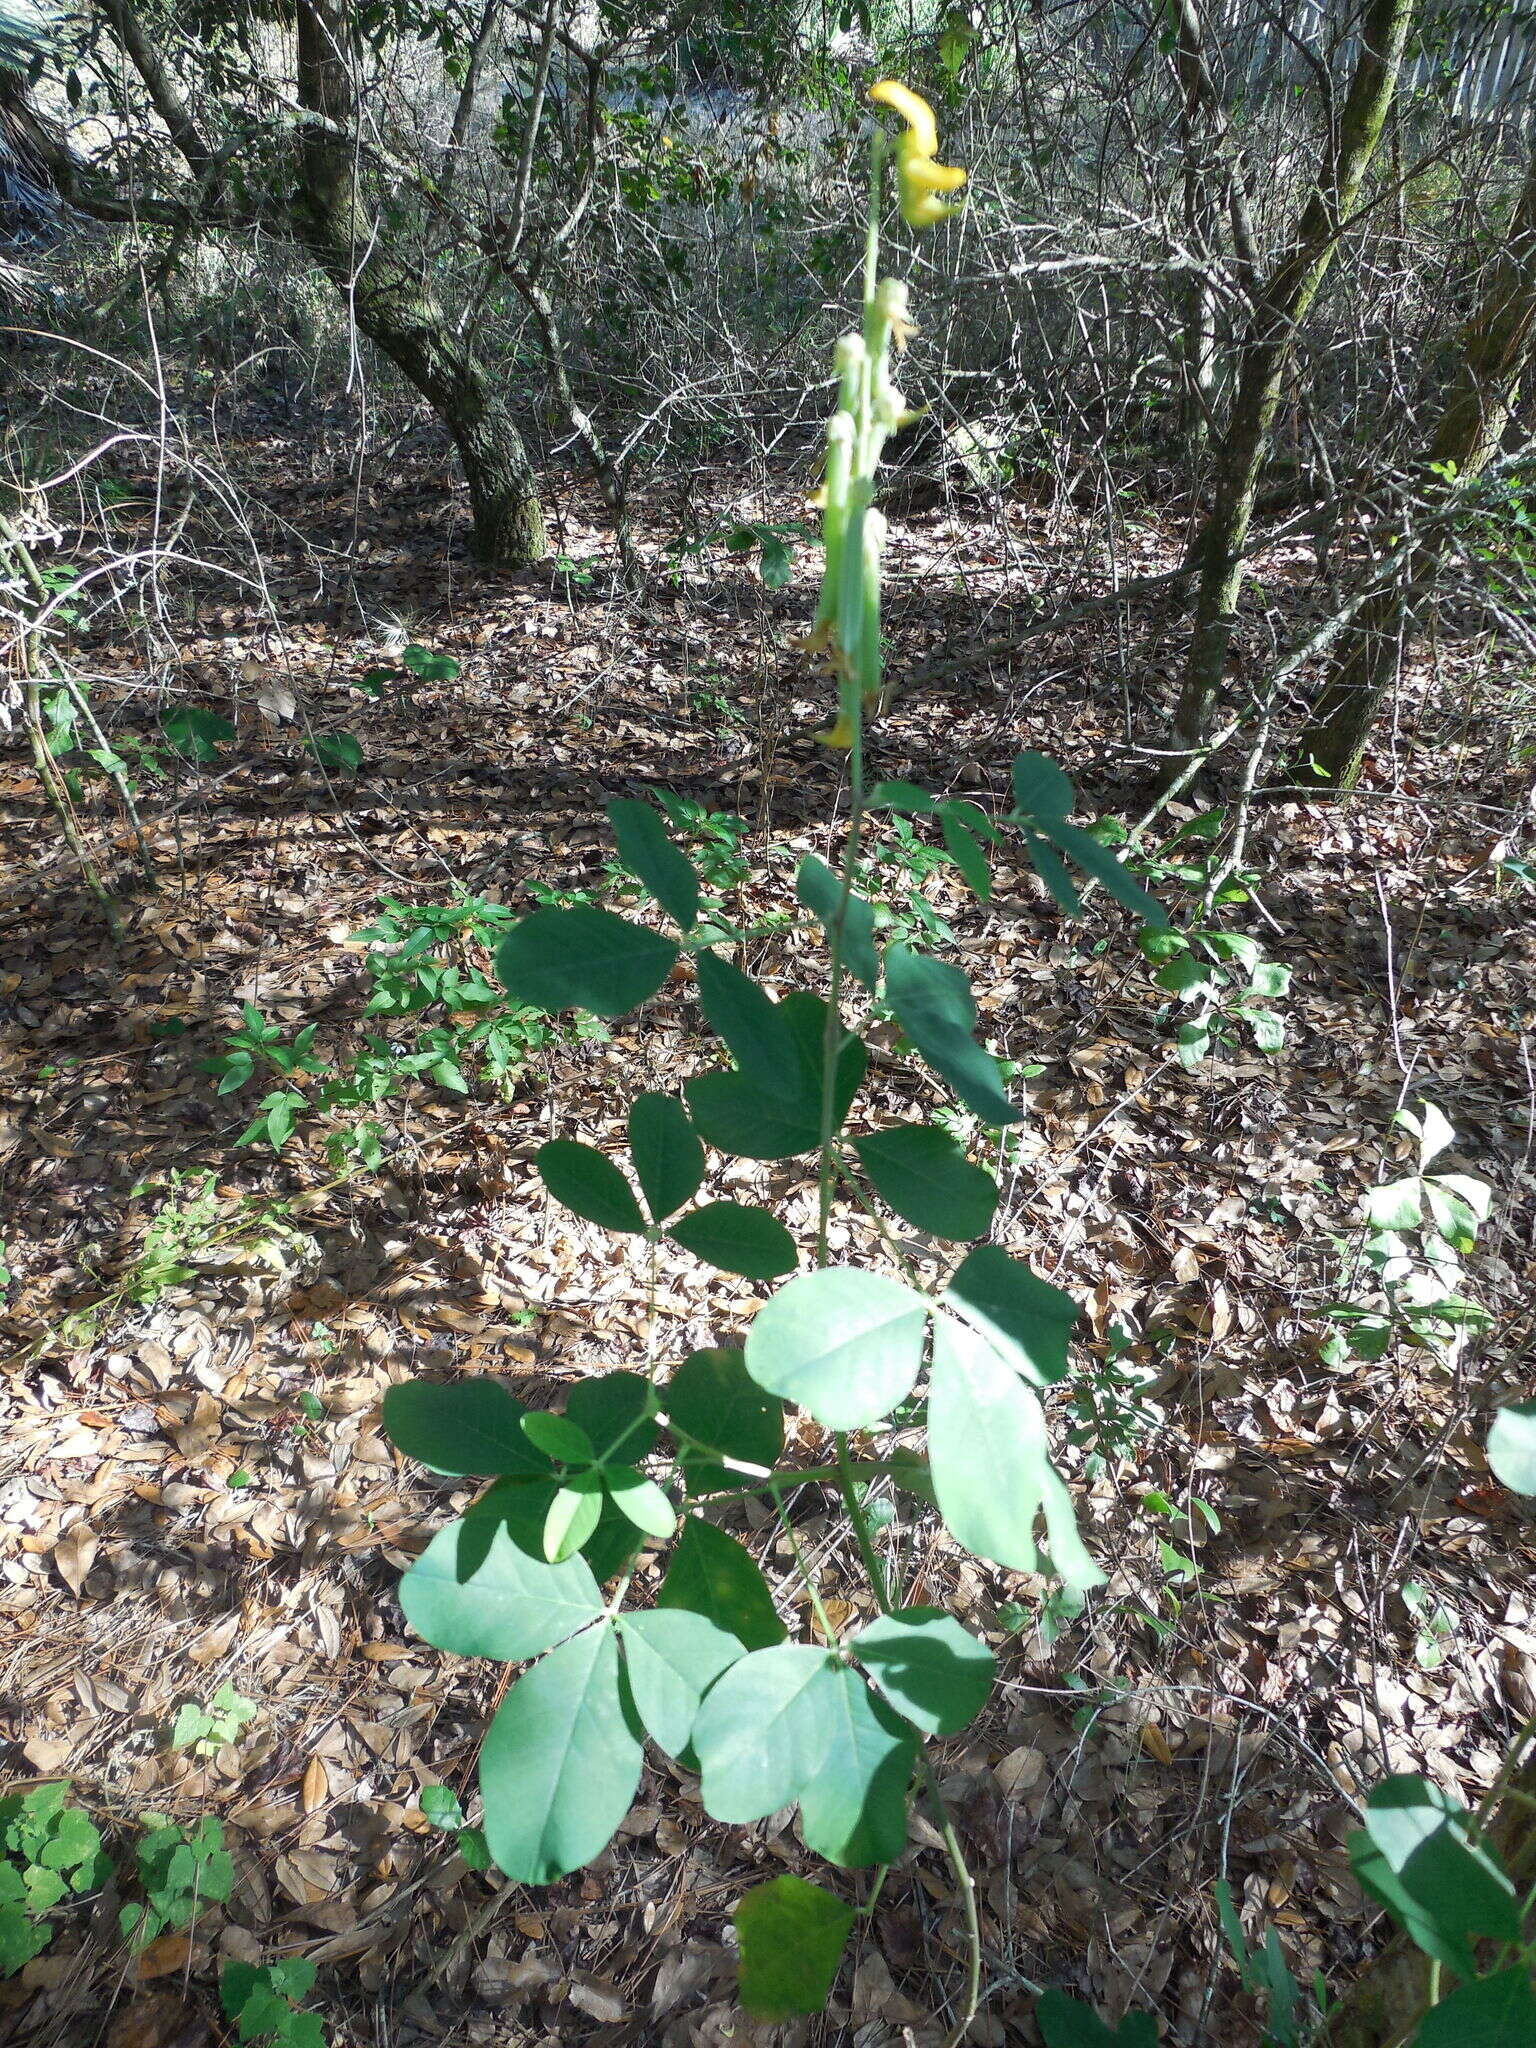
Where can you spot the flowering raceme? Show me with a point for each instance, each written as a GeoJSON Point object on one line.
{"type": "Point", "coordinates": [919, 178]}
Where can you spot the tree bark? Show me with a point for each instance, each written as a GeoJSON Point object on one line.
{"type": "Point", "coordinates": [1282, 302]}
{"type": "Point", "coordinates": [397, 311]}
{"type": "Point", "coordinates": [1496, 354]}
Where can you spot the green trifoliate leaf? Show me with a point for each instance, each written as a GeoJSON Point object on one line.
{"type": "Point", "coordinates": [1416, 1856]}
{"type": "Point", "coordinates": [713, 1575]}
{"type": "Point", "coordinates": [572, 1515]}
{"type": "Point", "coordinates": [583, 959]}
{"type": "Point", "coordinates": [667, 1154]}
{"type": "Point", "coordinates": [764, 1730]}
{"type": "Point", "coordinates": [936, 1009]}
{"type": "Point", "coordinates": [650, 854]}
{"type": "Point", "coordinates": [737, 1238]}
{"type": "Point", "coordinates": [559, 1436]}
{"type": "Point", "coordinates": [581, 1178]}
{"type": "Point", "coordinates": [844, 1344]}
{"type": "Point", "coordinates": [792, 1937]}
{"type": "Point", "coordinates": [462, 1428]}
{"type": "Point", "coordinates": [926, 1178]}
{"type": "Point", "coordinates": [673, 1658]}
{"type": "Point", "coordinates": [990, 1459]}
{"type": "Point", "coordinates": [930, 1669]}
{"type": "Point", "coordinates": [1025, 1319]}
{"type": "Point", "coordinates": [561, 1762]}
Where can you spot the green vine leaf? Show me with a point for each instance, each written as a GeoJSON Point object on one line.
{"type": "Point", "coordinates": [792, 1937]}
{"type": "Point", "coordinates": [713, 1399]}
{"type": "Point", "coordinates": [854, 1810]}
{"type": "Point", "coordinates": [713, 1575]}
{"type": "Point", "coordinates": [933, 1671]}
{"type": "Point", "coordinates": [640, 1501]}
{"type": "Point", "coordinates": [649, 852]}
{"type": "Point", "coordinates": [936, 1009]}
{"type": "Point", "coordinates": [764, 1730]}
{"type": "Point", "coordinates": [736, 1237]}
{"type": "Point", "coordinates": [482, 1587]}
{"type": "Point", "coordinates": [667, 1154]}
{"type": "Point", "coordinates": [581, 1178]}
{"type": "Point", "coordinates": [921, 1173]}
{"type": "Point", "coordinates": [615, 1410]}
{"type": "Point", "coordinates": [468, 1428]}
{"type": "Point", "coordinates": [1026, 1320]}
{"type": "Point", "coordinates": [672, 1658]}
{"type": "Point", "coordinates": [843, 1344]}
{"type": "Point", "coordinates": [821, 891]}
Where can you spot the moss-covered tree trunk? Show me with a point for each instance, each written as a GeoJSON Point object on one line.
{"type": "Point", "coordinates": [393, 305]}
{"type": "Point", "coordinates": [1281, 303]}
{"type": "Point", "coordinates": [1496, 355]}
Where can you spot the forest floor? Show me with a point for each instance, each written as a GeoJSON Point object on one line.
{"type": "Point", "coordinates": [194, 1489]}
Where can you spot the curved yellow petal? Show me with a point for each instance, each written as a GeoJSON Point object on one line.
{"type": "Point", "coordinates": [913, 109]}
{"type": "Point", "coordinates": [928, 176]}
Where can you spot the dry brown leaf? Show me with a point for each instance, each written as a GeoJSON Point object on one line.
{"type": "Point", "coordinates": [164, 1956]}
{"type": "Point", "coordinates": [74, 1554]}
{"type": "Point", "coordinates": [316, 1788]}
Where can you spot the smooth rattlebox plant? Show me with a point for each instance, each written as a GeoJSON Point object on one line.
{"type": "Point", "coordinates": [539, 1569]}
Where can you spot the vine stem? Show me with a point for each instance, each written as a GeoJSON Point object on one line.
{"type": "Point", "coordinates": [967, 1886]}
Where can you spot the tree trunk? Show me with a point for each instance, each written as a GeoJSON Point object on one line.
{"type": "Point", "coordinates": [1496, 354]}
{"type": "Point", "coordinates": [397, 311]}
{"type": "Point", "coordinates": [1281, 304]}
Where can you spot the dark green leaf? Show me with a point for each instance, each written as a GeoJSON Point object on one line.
{"type": "Point", "coordinates": [482, 1587]}
{"type": "Point", "coordinates": [583, 959]}
{"type": "Point", "coordinates": [1098, 860]}
{"type": "Point", "coordinates": [1052, 870]}
{"type": "Point", "coordinates": [752, 1025]}
{"type": "Point", "coordinates": [714, 1400]}
{"type": "Point", "coordinates": [967, 853]}
{"type": "Point", "coordinates": [927, 1179]}
{"type": "Point", "coordinates": [673, 1658]}
{"type": "Point", "coordinates": [440, 1805]}
{"type": "Point", "coordinates": [648, 851]}
{"type": "Point", "coordinates": [561, 1763]}
{"type": "Point", "coordinates": [712, 1574]}
{"type": "Point", "coordinates": [337, 750]}
{"type": "Point", "coordinates": [667, 1154]}
{"type": "Point", "coordinates": [820, 890]}
{"type": "Point", "coordinates": [1494, 2012]}
{"type": "Point", "coordinates": [1416, 1856]}
{"type": "Point", "coordinates": [756, 1122]}
{"type": "Point", "coordinates": [1512, 1446]}
{"type": "Point", "coordinates": [614, 1408]}
{"type": "Point", "coordinates": [990, 1458]}
{"type": "Point", "coordinates": [465, 1428]}
{"type": "Point", "coordinates": [1040, 789]}
{"type": "Point", "coordinates": [930, 1669]}
{"type": "Point", "coordinates": [854, 1810]}
{"type": "Point", "coordinates": [935, 1008]}
{"type": "Point", "coordinates": [558, 1436]}
{"type": "Point", "coordinates": [581, 1178]}
{"type": "Point", "coordinates": [1027, 1320]}
{"type": "Point", "coordinates": [844, 1344]}
{"type": "Point", "coordinates": [737, 1238]}
{"type": "Point", "coordinates": [792, 1936]}
{"type": "Point", "coordinates": [764, 1730]}
{"type": "Point", "coordinates": [1065, 2023]}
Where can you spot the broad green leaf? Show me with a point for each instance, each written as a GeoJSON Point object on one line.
{"type": "Point", "coordinates": [1066, 2023]}
{"type": "Point", "coordinates": [1026, 1319]}
{"type": "Point", "coordinates": [479, 1591]}
{"type": "Point", "coordinates": [737, 1238]}
{"type": "Point", "coordinates": [714, 1400]}
{"type": "Point", "coordinates": [931, 1669]}
{"type": "Point", "coordinates": [572, 1516]}
{"type": "Point", "coordinates": [581, 1178]}
{"type": "Point", "coordinates": [641, 1501]}
{"type": "Point", "coordinates": [561, 1763]}
{"type": "Point", "coordinates": [854, 1810]}
{"type": "Point", "coordinates": [844, 1344]}
{"type": "Point", "coordinates": [614, 1410]}
{"type": "Point", "coordinates": [337, 750]}
{"type": "Point", "coordinates": [667, 1154]}
{"type": "Point", "coordinates": [1512, 1446]}
{"type": "Point", "coordinates": [468, 1428]}
{"type": "Point", "coordinates": [750, 1022]}
{"type": "Point", "coordinates": [1052, 870]}
{"type": "Point", "coordinates": [764, 1729]}
{"type": "Point", "coordinates": [738, 1116]}
{"type": "Point", "coordinates": [1184, 975]}
{"type": "Point", "coordinates": [672, 1658]}
{"type": "Point", "coordinates": [583, 959]}
{"type": "Point", "coordinates": [1112, 874]}
{"type": "Point", "coordinates": [1493, 2012]}
{"type": "Point", "coordinates": [560, 1436]}
{"type": "Point", "coordinates": [1040, 788]}
{"type": "Point", "coordinates": [647, 850]}
{"type": "Point", "coordinates": [927, 1179]}
{"type": "Point", "coordinates": [935, 1008]}
{"type": "Point", "coordinates": [990, 1458]}
{"type": "Point", "coordinates": [967, 853]}
{"type": "Point", "coordinates": [1395, 1206]}
{"type": "Point", "coordinates": [1415, 1855]}
{"type": "Point", "coordinates": [440, 1805]}
{"type": "Point", "coordinates": [821, 891]}
{"type": "Point", "coordinates": [792, 1937]}
{"type": "Point", "coordinates": [713, 1575]}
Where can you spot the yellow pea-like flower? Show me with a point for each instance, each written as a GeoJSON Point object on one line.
{"type": "Point", "coordinates": [919, 178]}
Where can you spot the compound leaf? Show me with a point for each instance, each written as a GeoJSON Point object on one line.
{"type": "Point", "coordinates": [665, 1148]}
{"type": "Point", "coordinates": [932, 1670]}
{"type": "Point", "coordinates": [470, 1428]}
{"type": "Point", "coordinates": [935, 1008]}
{"type": "Point", "coordinates": [736, 1237]}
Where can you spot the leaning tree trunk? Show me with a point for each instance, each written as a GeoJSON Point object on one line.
{"type": "Point", "coordinates": [1496, 354]}
{"type": "Point", "coordinates": [394, 307]}
{"type": "Point", "coordinates": [1281, 304]}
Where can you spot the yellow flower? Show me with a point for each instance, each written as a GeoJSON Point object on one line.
{"type": "Point", "coordinates": [919, 178]}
